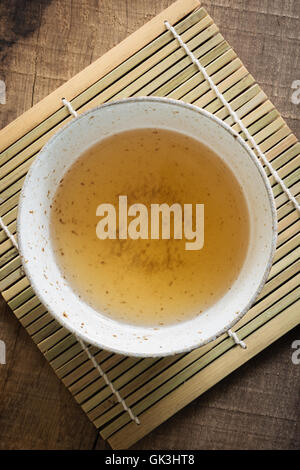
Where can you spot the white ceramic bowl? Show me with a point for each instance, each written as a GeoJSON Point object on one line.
{"type": "Point", "coordinates": [36, 249]}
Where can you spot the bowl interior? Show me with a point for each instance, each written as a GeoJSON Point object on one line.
{"type": "Point", "coordinates": [34, 230]}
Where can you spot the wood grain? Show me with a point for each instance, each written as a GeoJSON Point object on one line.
{"type": "Point", "coordinates": [256, 406]}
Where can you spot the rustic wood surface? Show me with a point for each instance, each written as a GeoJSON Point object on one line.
{"type": "Point", "coordinates": [42, 44]}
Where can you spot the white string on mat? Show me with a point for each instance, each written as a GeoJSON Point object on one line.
{"type": "Point", "coordinates": [10, 235]}
{"type": "Point", "coordinates": [236, 339]}
{"type": "Point", "coordinates": [84, 347]}
{"type": "Point", "coordinates": [108, 382]}
{"type": "Point", "coordinates": [69, 107]}
{"type": "Point", "coordinates": [234, 115]}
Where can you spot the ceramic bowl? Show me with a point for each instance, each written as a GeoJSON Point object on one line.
{"type": "Point", "coordinates": [34, 231]}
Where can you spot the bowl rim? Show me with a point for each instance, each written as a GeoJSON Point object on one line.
{"type": "Point", "coordinates": [79, 333]}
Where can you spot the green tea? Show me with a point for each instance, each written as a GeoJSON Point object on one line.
{"type": "Point", "coordinates": [149, 282]}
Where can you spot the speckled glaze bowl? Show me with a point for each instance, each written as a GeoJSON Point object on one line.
{"type": "Point", "coordinates": [34, 231]}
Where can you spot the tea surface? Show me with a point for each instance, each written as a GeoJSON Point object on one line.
{"type": "Point", "coordinates": [149, 282]}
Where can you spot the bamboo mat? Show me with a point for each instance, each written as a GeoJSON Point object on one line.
{"type": "Point", "coordinates": [150, 62]}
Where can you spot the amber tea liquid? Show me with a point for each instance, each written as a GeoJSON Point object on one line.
{"type": "Point", "coordinates": [149, 282]}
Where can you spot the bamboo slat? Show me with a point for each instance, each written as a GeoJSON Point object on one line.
{"type": "Point", "coordinates": [150, 62]}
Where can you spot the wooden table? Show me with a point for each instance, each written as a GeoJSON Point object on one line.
{"type": "Point", "coordinates": [42, 44]}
